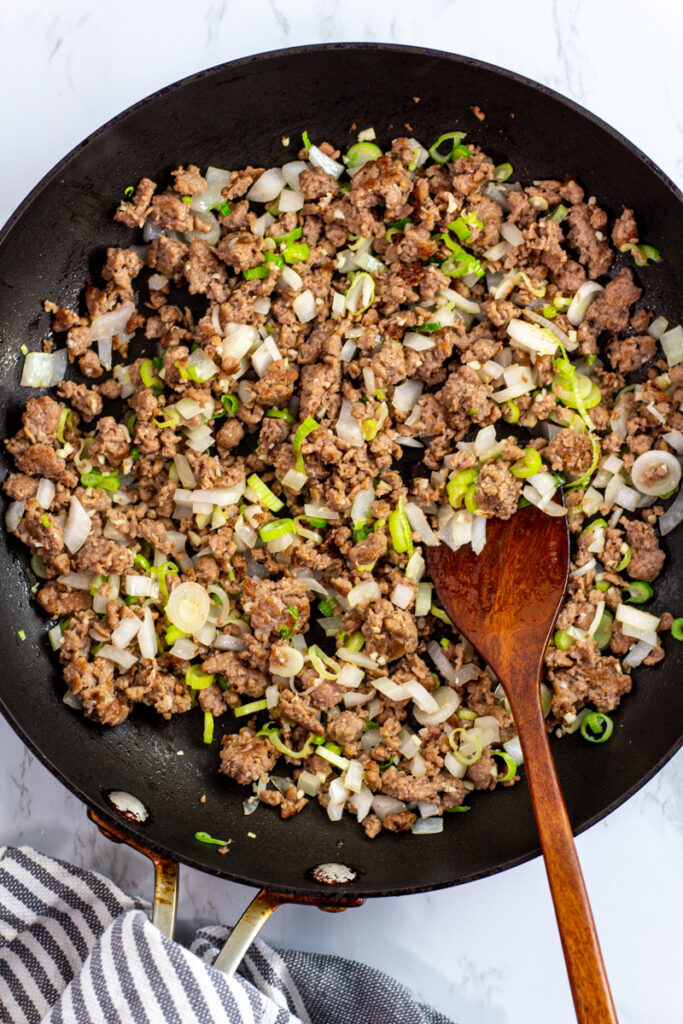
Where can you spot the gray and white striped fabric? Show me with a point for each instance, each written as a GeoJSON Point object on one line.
{"type": "Point", "coordinates": [75, 949]}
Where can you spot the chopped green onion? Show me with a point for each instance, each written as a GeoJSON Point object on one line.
{"type": "Point", "coordinates": [46, 521]}
{"type": "Point", "coordinates": [149, 376]}
{"type": "Point", "coordinates": [250, 709]}
{"type": "Point", "coordinates": [399, 528]}
{"type": "Point", "coordinates": [292, 236]}
{"type": "Point", "coordinates": [528, 465]}
{"type": "Point", "coordinates": [172, 634]}
{"type": "Point", "coordinates": [461, 262]}
{"type": "Point", "coordinates": [639, 592]}
{"type": "Point", "coordinates": [427, 328]}
{"type": "Point", "coordinates": [326, 608]}
{"type": "Point", "coordinates": [601, 727]}
{"type": "Point", "coordinates": [306, 140]}
{"type": "Point", "coordinates": [208, 727]}
{"type": "Point", "coordinates": [230, 403]}
{"type": "Point", "coordinates": [318, 524]}
{"type": "Point", "coordinates": [339, 762]}
{"type": "Point", "coordinates": [602, 586]}
{"type": "Point", "coordinates": [597, 524]}
{"type": "Point", "coordinates": [603, 633]}
{"type": "Point", "coordinates": [196, 679]}
{"type": "Point", "coordinates": [142, 563]}
{"type": "Point", "coordinates": [510, 764]}
{"type": "Point", "coordinates": [549, 312]}
{"type": "Point", "coordinates": [271, 731]}
{"type": "Point", "coordinates": [296, 253]}
{"type": "Point", "coordinates": [470, 500]}
{"type": "Point", "coordinates": [256, 273]}
{"type": "Point", "coordinates": [460, 758]}
{"type": "Point", "coordinates": [457, 138]}
{"type": "Point", "coordinates": [134, 453]}
{"type": "Point", "coordinates": [302, 432]}
{"type": "Point", "coordinates": [460, 228]}
{"type": "Point", "coordinates": [281, 414]}
{"type": "Point", "coordinates": [361, 293]}
{"type": "Point", "coordinates": [368, 429]}
{"type": "Point", "coordinates": [440, 614]}
{"type": "Point", "coordinates": [354, 642]}
{"type": "Point", "coordinates": [105, 481]}
{"type": "Point", "coordinates": [223, 208]}
{"type": "Point", "coordinates": [204, 837]}
{"type": "Point", "coordinates": [558, 214]}
{"type": "Point", "coordinates": [172, 420]}
{"type": "Point", "coordinates": [454, 810]}
{"type": "Point", "coordinates": [642, 254]}
{"type": "Point", "coordinates": [186, 199]}
{"type": "Point", "coordinates": [21, 634]}
{"type": "Point", "coordinates": [319, 660]}
{"type": "Point", "coordinates": [276, 528]}
{"type": "Point", "coordinates": [361, 153]}
{"type": "Point", "coordinates": [563, 641]}
{"type": "Point", "coordinates": [65, 423]}
{"type": "Point", "coordinates": [502, 172]}
{"type": "Point", "coordinates": [677, 629]}
{"type": "Point", "coordinates": [264, 494]}
{"type": "Point", "coordinates": [129, 191]}
{"type": "Point", "coordinates": [510, 411]}
{"type": "Point", "coordinates": [625, 560]}
{"type": "Point", "coordinates": [161, 572]}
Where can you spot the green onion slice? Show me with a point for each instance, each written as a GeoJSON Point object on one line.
{"type": "Point", "coordinates": [324, 665]}
{"type": "Point", "coordinates": [563, 641]}
{"type": "Point", "coordinates": [677, 629]}
{"type": "Point", "coordinates": [252, 708]}
{"type": "Point", "coordinates": [528, 465]}
{"type": "Point", "coordinates": [204, 837]}
{"type": "Point", "coordinates": [456, 137]}
{"type": "Point", "coordinates": [600, 725]}
{"type": "Point", "coordinates": [264, 494]}
{"type": "Point", "coordinates": [510, 764]}
{"type": "Point", "coordinates": [399, 528]}
{"type": "Point", "coordinates": [276, 528]}
{"type": "Point", "coordinates": [361, 153]}
{"type": "Point", "coordinates": [302, 432]}
{"type": "Point", "coordinates": [361, 293]}
{"type": "Point", "coordinates": [296, 252]}
{"type": "Point", "coordinates": [638, 592]}
{"type": "Point", "coordinates": [105, 481]}
{"type": "Point", "coordinates": [208, 727]}
{"type": "Point", "coordinates": [196, 679]}
{"type": "Point", "coordinates": [281, 414]}
{"type": "Point", "coordinates": [510, 411]}
{"type": "Point", "coordinates": [473, 758]}
{"type": "Point", "coordinates": [502, 172]}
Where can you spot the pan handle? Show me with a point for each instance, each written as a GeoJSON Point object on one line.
{"type": "Point", "coordinates": [166, 875]}
{"type": "Point", "coordinates": [257, 913]}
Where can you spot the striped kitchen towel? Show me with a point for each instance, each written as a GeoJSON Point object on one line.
{"type": "Point", "coordinates": [75, 949]}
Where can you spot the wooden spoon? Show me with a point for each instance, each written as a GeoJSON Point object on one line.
{"type": "Point", "coordinates": [505, 601]}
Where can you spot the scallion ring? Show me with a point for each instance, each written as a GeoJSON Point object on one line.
{"type": "Point", "coordinates": [600, 725]}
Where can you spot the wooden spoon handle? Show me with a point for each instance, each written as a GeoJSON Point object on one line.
{"type": "Point", "coordinates": [587, 977]}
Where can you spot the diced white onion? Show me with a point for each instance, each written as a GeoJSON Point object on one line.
{"type": "Point", "coordinates": [350, 676]}
{"type": "Point", "coordinates": [123, 658]}
{"type": "Point", "coordinates": [291, 172]}
{"type": "Point", "coordinates": [672, 343]}
{"type": "Point", "coordinates": [531, 338]}
{"type": "Point", "coordinates": [418, 342]}
{"type": "Point", "coordinates": [184, 648]}
{"type": "Point", "coordinates": [206, 634]}
{"type": "Point", "coordinates": [489, 729]}
{"type": "Point", "coordinates": [637, 655]}
{"type": "Point", "coordinates": [383, 805]}
{"type": "Point", "coordinates": [147, 638]}
{"type": "Point", "coordinates": [630, 616]}
{"type": "Point", "coordinates": [238, 341]}
{"type": "Point", "coordinates": [427, 827]}
{"type": "Point", "coordinates": [361, 505]}
{"type": "Point", "coordinates": [674, 438]}
{"type": "Point", "coordinates": [338, 794]}
{"type": "Point", "coordinates": [452, 765]}
{"type": "Point", "coordinates": [141, 586]}
{"type": "Point", "coordinates": [126, 631]}
{"type": "Point", "coordinates": [326, 163]}
{"type": "Point", "coordinates": [114, 322]}
{"type": "Point", "coordinates": [267, 187]}
{"type": "Point", "coordinates": [423, 601]}
{"type": "Point", "coordinates": [356, 658]}
{"type": "Point", "coordinates": [185, 474]}
{"type": "Point", "coordinates": [226, 642]}
{"type": "Point", "coordinates": [205, 367]}
{"type": "Point", "coordinates": [291, 666]}
{"type": "Point", "coordinates": [422, 697]}
{"type": "Point", "coordinates": [363, 593]}
{"type": "Point", "coordinates": [304, 306]}
{"type": "Point", "coordinates": [15, 511]}
{"type": "Point", "coordinates": [513, 747]}
{"type": "Point", "coordinates": [585, 296]}
{"type": "Point", "coordinates": [290, 201]}
{"type": "Point", "coordinates": [406, 395]}
{"type": "Point", "coordinates": [77, 580]}
{"type": "Point", "coordinates": [511, 233]}
{"type": "Point", "coordinates": [348, 427]}
{"type": "Point", "coordinates": [221, 496]}
{"type": "Point", "coordinates": [354, 776]}
{"type": "Point", "coordinates": [45, 493]}
{"type": "Point", "coordinates": [359, 803]}
{"type": "Point", "coordinates": [672, 517]}
{"type": "Point", "coordinates": [478, 534]}
{"type": "Point", "coordinates": [41, 371]}
{"type": "Point", "coordinates": [264, 356]}
{"type": "Point", "coordinates": [448, 700]}
{"type": "Point", "coordinates": [290, 278]}
{"type": "Point", "coordinates": [78, 526]}
{"type": "Point", "coordinates": [445, 667]}
{"type": "Point", "coordinates": [627, 498]}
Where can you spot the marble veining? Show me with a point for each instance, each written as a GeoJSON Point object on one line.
{"type": "Point", "coordinates": [487, 952]}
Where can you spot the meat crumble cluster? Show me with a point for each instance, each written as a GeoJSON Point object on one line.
{"type": "Point", "coordinates": [233, 522]}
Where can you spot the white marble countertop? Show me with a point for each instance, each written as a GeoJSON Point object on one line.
{"type": "Point", "coordinates": [487, 952]}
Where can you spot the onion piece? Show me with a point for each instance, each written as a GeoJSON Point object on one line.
{"type": "Point", "coordinates": [361, 505]}
{"type": "Point", "coordinates": [221, 496]}
{"type": "Point", "coordinates": [448, 700]}
{"type": "Point", "coordinates": [226, 642]}
{"type": "Point", "coordinates": [141, 586]}
{"type": "Point", "coordinates": [531, 338]}
{"type": "Point", "coordinates": [292, 664]}
{"type": "Point", "coordinates": [43, 369]}
{"type": "Point", "coordinates": [126, 631]}
{"type": "Point", "coordinates": [147, 638]}
{"type": "Point", "coordinates": [359, 803]}
{"type": "Point", "coordinates": [585, 296]}
{"type": "Point", "coordinates": [77, 580]}
{"type": "Point", "coordinates": [672, 343]}
{"type": "Point", "coordinates": [422, 697]}
{"type": "Point", "coordinates": [184, 648]}
{"type": "Point", "coordinates": [15, 511]}
{"type": "Point", "coordinates": [637, 655]}
{"type": "Point", "coordinates": [123, 658]}
{"type": "Point", "coordinates": [673, 516]}
{"type": "Point", "coordinates": [78, 526]}
{"type": "Point", "coordinates": [356, 658]}
{"type": "Point", "coordinates": [338, 794]}
{"type": "Point", "coordinates": [406, 395]}
{"type": "Point", "coordinates": [348, 428]}
{"type": "Point", "coordinates": [291, 172]}
{"type": "Point", "coordinates": [383, 805]}
{"type": "Point", "coordinates": [478, 534]}
{"type": "Point", "coordinates": [354, 776]}
{"type": "Point", "coordinates": [114, 322]}
{"type": "Point", "coordinates": [445, 667]}
{"type": "Point", "coordinates": [304, 306]}
{"type": "Point", "coordinates": [363, 593]}
{"type": "Point", "coordinates": [511, 233]}
{"type": "Point", "coordinates": [326, 163]}
{"type": "Point", "coordinates": [652, 460]}
{"type": "Point", "coordinates": [267, 187]}
{"type": "Point", "coordinates": [188, 607]}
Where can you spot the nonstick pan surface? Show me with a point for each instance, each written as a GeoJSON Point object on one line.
{"type": "Point", "coordinates": [229, 116]}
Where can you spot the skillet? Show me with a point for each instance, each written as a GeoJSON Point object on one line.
{"type": "Point", "coordinates": [229, 116]}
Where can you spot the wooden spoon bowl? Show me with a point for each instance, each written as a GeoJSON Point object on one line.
{"type": "Point", "coordinates": [505, 601]}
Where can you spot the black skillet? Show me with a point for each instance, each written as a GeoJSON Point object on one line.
{"type": "Point", "coordinates": [230, 116]}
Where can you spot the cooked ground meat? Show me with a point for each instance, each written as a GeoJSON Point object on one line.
{"type": "Point", "coordinates": [332, 521]}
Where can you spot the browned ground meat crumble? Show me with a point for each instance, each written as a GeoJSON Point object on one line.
{"type": "Point", "coordinates": [255, 324]}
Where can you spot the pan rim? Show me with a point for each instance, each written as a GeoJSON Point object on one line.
{"type": "Point", "coordinates": [309, 888]}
